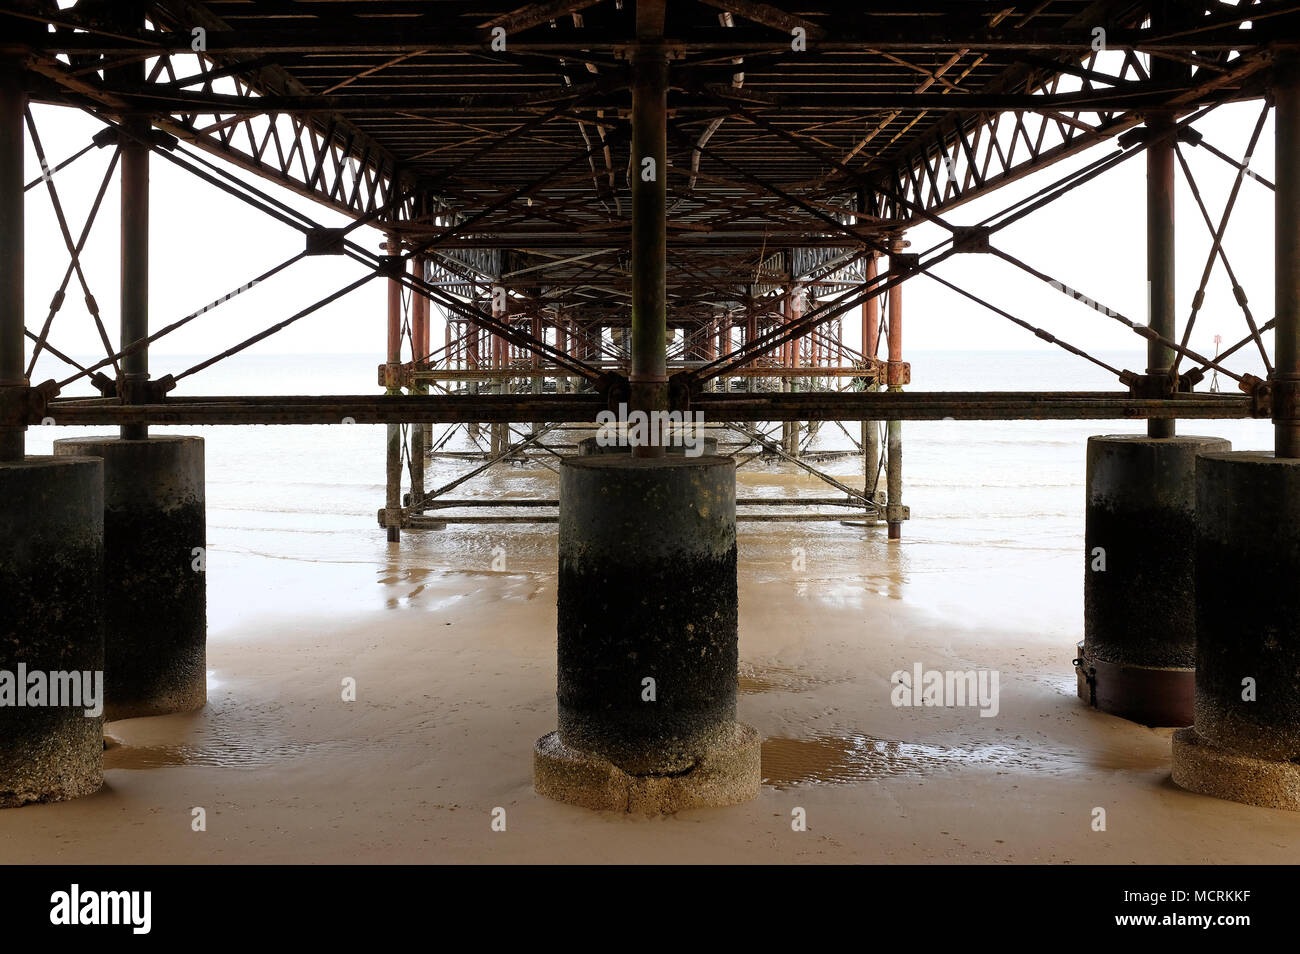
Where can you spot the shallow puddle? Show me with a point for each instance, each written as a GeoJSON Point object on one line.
{"type": "Point", "coordinates": [857, 758]}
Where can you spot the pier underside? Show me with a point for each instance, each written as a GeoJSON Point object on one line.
{"type": "Point", "coordinates": [645, 245]}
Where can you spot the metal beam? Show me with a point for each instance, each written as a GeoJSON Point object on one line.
{"type": "Point", "coordinates": [442, 37]}
{"type": "Point", "coordinates": [804, 406]}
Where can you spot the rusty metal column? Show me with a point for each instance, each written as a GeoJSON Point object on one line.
{"type": "Point", "coordinates": [750, 333]}
{"type": "Point", "coordinates": [471, 336]}
{"type": "Point", "coordinates": [499, 433]}
{"type": "Point", "coordinates": [538, 332]}
{"type": "Point", "coordinates": [393, 495]}
{"type": "Point", "coordinates": [710, 345]}
{"type": "Point", "coordinates": [419, 362]}
{"type": "Point", "coordinates": [794, 312]}
{"type": "Point", "coordinates": [1160, 255]}
{"type": "Point", "coordinates": [787, 384]}
{"type": "Point", "coordinates": [870, 344]}
{"type": "Point", "coordinates": [419, 319]}
{"type": "Point", "coordinates": [792, 358]}
{"type": "Point", "coordinates": [13, 101]}
{"type": "Point", "coordinates": [1286, 274]}
{"type": "Point", "coordinates": [894, 460]}
{"type": "Point", "coordinates": [726, 347]}
{"type": "Point", "coordinates": [648, 378]}
{"type": "Point", "coordinates": [136, 132]}
{"type": "Point", "coordinates": [562, 346]}
{"type": "Point", "coordinates": [450, 357]}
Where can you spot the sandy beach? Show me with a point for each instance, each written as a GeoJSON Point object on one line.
{"type": "Point", "coordinates": [455, 673]}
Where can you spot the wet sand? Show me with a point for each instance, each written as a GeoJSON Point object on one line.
{"type": "Point", "coordinates": [455, 667]}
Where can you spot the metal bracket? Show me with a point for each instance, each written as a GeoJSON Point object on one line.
{"type": "Point", "coordinates": [904, 262]}
{"type": "Point", "coordinates": [672, 51]}
{"type": "Point", "coordinates": [898, 373]}
{"type": "Point", "coordinates": [396, 376]}
{"type": "Point", "coordinates": [391, 266]}
{"type": "Point", "coordinates": [1140, 135]}
{"type": "Point", "coordinates": [1152, 386]}
{"type": "Point", "coordinates": [140, 389]}
{"type": "Point", "coordinates": [112, 136]}
{"type": "Point", "coordinates": [1187, 382]}
{"type": "Point", "coordinates": [874, 373]}
{"type": "Point", "coordinates": [325, 241]}
{"type": "Point", "coordinates": [1261, 395]}
{"type": "Point", "coordinates": [1134, 137]}
{"type": "Point", "coordinates": [1089, 674]}
{"type": "Point", "coordinates": [22, 404]}
{"type": "Point", "coordinates": [615, 389]}
{"type": "Point", "coordinates": [1285, 392]}
{"type": "Point", "coordinates": [897, 513]}
{"type": "Point", "coordinates": [106, 386]}
{"type": "Point", "coordinates": [970, 238]}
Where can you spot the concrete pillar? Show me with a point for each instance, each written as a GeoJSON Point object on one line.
{"type": "Point", "coordinates": [1245, 744]}
{"type": "Point", "coordinates": [51, 621]}
{"type": "Point", "coordinates": [647, 619]}
{"type": "Point", "coordinates": [155, 606]}
{"type": "Point", "coordinates": [1137, 658]}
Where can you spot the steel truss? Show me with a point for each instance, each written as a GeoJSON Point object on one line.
{"type": "Point", "coordinates": [507, 209]}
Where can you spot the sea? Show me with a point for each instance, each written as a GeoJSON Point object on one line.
{"type": "Point", "coordinates": [995, 537]}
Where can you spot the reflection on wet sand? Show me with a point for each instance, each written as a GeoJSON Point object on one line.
{"type": "Point", "coordinates": [858, 758]}
{"type": "Point", "coordinates": [220, 745]}
{"type": "Point", "coordinates": [854, 757]}
{"type": "Point", "coordinates": [776, 679]}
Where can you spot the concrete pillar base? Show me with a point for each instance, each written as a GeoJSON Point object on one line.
{"type": "Point", "coordinates": [647, 647]}
{"type": "Point", "coordinates": [729, 772]}
{"type": "Point", "coordinates": [155, 632]}
{"type": "Point", "coordinates": [1209, 770]}
{"type": "Point", "coordinates": [1245, 745]}
{"type": "Point", "coordinates": [1139, 647]}
{"type": "Point", "coordinates": [1148, 695]}
{"type": "Point", "coordinates": [51, 621]}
